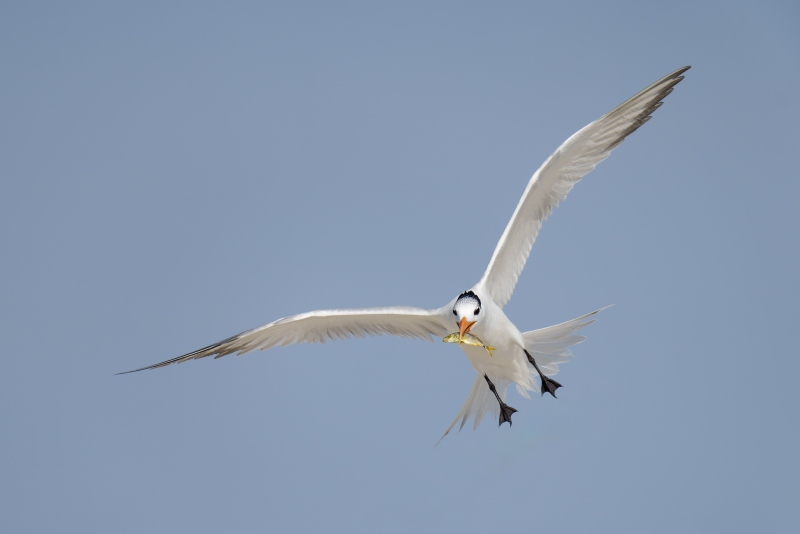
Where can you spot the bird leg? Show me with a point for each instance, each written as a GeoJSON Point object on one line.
{"type": "Point", "coordinates": [506, 411]}
{"type": "Point", "coordinates": [548, 384]}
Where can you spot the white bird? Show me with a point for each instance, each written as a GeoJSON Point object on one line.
{"type": "Point", "coordinates": [516, 357]}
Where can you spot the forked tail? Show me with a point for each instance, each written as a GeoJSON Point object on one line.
{"type": "Point", "coordinates": [480, 401]}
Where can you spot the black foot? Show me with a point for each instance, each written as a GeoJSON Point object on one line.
{"type": "Point", "coordinates": [549, 385]}
{"type": "Point", "coordinates": [506, 412]}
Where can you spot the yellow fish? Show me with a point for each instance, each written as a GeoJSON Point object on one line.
{"type": "Point", "coordinates": [467, 339]}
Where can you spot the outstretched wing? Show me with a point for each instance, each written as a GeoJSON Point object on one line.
{"type": "Point", "coordinates": [555, 178]}
{"type": "Point", "coordinates": [323, 325]}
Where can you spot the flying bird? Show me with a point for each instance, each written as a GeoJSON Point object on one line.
{"type": "Point", "coordinates": [498, 351]}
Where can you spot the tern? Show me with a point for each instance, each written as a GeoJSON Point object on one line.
{"type": "Point", "coordinates": [498, 351]}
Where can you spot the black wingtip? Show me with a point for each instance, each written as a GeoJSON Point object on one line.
{"type": "Point", "coordinates": [134, 371]}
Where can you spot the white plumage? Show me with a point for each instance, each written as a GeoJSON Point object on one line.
{"type": "Point", "coordinates": [517, 357]}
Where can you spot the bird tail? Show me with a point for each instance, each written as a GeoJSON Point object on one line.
{"type": "Point", "coordinates": [550, 346]}
{"type": "Point", "coordinates": [480, 401]}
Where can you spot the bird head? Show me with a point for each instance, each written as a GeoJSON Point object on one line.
{"type": "Point", "coordinates": [466, 311]}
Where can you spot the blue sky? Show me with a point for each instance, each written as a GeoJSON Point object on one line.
{"type": "Point", "coordinates": [174, 173]}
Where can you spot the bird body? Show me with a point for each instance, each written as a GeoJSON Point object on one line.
{"type": "Point", "coordinates": [507, 362]}
{"type": "Point", "coordinates": [515, 357]}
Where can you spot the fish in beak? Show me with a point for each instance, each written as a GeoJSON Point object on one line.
{"type": "Point", "coordinates": [464, 326]}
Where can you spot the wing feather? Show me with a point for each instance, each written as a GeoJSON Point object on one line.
{"type": "Point", "coordinates": [319, 327]}
{"type": "Point", "coordinates": [558, 174]}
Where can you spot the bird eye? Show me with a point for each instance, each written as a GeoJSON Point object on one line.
{"type": "Point", "coordinates": [477, 311]}
{"type": "Point", "coordinates": [455, 313]}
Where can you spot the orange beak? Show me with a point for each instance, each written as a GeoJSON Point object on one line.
{"type": "Point", "coordinates": [464, 326]}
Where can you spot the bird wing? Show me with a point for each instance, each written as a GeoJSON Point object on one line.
{"type": "Point", "coordinates": [558, 174]}
{"type": "Point", "coordinates": [323, 325]}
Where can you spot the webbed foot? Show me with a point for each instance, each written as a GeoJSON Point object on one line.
{"type": "Point", "coordinates": [549, 385]}
{"type": "Point", "coordinates": [506, 412]}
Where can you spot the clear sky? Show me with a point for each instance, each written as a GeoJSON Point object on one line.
{"type": "Point", "coordinates": [174, 173]}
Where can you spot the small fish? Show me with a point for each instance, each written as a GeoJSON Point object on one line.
{"type": "Point", "coordinates": [467, 339]}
